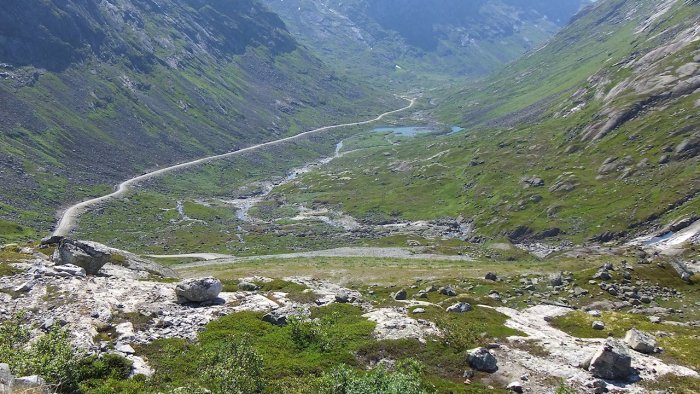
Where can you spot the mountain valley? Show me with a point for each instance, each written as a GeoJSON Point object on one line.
{"type": "Point", "coordinates": [358, 197]}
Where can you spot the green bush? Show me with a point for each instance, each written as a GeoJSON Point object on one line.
{"type": "Point", "coordinates": [53, 358]}
{"type": "Point", "coordinates": [232, 367]}
{"type": "Point", "coordinates": [345, 380]}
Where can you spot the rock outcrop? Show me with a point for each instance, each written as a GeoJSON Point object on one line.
{"type": "Point", "coordinates": [91, 258]}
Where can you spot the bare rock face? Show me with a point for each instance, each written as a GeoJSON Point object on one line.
{"type": "Point", "coordinates": [198, 290]}
{"type": "Point", "coordinates": [612, 361]}
{"type": "Point", "coordinates": [640, 341]}
{"type": "Point", "coordinates": [482, 360]}
{"type": "Point", "coordinates": [87, 256]}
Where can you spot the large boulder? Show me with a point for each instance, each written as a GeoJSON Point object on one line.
{"type": "Point", "coordinates": [198, 290]}
{"type": "Point", "coordinates": [89, 257]}
{"type": "Point", "coordinates": [612, 361]}
{"type": "Point", "coordinates": [482, 360]}
{"type": "Point", "coordinates": [640, 341]}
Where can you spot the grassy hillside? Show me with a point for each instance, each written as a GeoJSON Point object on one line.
{"type": "Point", "coordinates": [109, 91]}
{"type": "Point", "coordinates": [595, 133]}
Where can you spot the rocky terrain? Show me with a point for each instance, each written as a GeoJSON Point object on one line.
{"type": "Point", "coordinates": [113, 302]}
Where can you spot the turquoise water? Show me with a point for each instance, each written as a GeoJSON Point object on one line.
{"type": "Point", "coordinates": [406, 131]}
{"type": "Point", "coordinates": [412, 131]}
{"type": "Point", "coordinates": [660, 238]}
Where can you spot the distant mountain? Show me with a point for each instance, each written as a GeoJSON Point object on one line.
{"type": "Point", "coordinates": [596, 136]}
{"type": "Point", "coordinates": [94, 92]}
{"type": "Point", "coordinates": [409, 38]}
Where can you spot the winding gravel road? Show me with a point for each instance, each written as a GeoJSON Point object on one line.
{"type": "Point", "coordinates": [68, 219]}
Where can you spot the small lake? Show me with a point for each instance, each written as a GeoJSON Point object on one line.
{"type": "Point", "coordinates": [412, 131]}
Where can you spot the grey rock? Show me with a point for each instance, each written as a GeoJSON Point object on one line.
{"type": "Point", "coordinates": [276, 317]}
{"type": "Point", "coordinates": [124, 348]}
{"type": "Point", "coordinates": [52, 240]}
{"type": "Point", "coordinates": [448, 291]}
{"type": "Point", "coordinates": [72, 270]}
{"type": "Point", "coordinates": [248, 286]}
{"type": "Point", "coordinates": [32, 384]}
{"type": "Point", "coordinates": [598, 325]}
{"type": "Point", "coordinates": [580, 292]}
{"type": "Point", "coordinates": [598, 385]}
{"type": "Point", "coordinates": [400, 295]}
{"type": "Point", "coordinates": [533, 181]}
{"type": "Point", "coordinates": [602, 275]}
{"type": "Point", "coordinates": [655, 319]}
{"type": "Point", "coordinates": [556, 279]}
{"type": "Point", "coordinates": [682, 270]}
{"type": "Point", "coordinates": [460, 307]}
{"type": "Point", "coordinates": [24, 287]}
{"type": "Point", "coordinates": [344, 297]}
{"type": "Point", "coordinates": [81, 254]}
{"type": "Point", "coordinates": [515, 387]}
{"type": "Point", "coordinates": [482, 360]}
{"type": "Point", "coordinates": [491, 276]}
{"type": "Point", "coordinates": [612, 362]}
{"type": "Point", "coordinates": [419, 310]}
{"type": "Point", "coordinates": [640, 341]}
{"type": "Point", "coordinates": [6, 379]}
{"type": "Point", "coordinates": [198, 290]}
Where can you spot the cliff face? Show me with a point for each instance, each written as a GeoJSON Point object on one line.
{"type": "Point", "coordinates": [55, 34]}
{"type": "Point", "coordinates": [92, 92]}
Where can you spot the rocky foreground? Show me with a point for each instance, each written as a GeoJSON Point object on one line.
{"type": "Point", "coordinates": [112, 301]}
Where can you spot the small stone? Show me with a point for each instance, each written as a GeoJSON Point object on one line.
{"type": "Point", "coordinates": [515, 387]}
{"type": "Point", "coordinates": [580, 292]}
{"type": "Point", "coordinates": [491, 276]}
{"type": "Point", "coordinates": [448, 291]}
{"type": "Point", "coordinates": [419, 310]}
{"type": "Point", "coordinates": [598, 325]}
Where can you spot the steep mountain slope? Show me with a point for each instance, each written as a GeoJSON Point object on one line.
{"type": "Point", "coordinates": [597, 135]}
{"type": "Point", "coordinates": [91, 92]}
{"type": "Point", "coordinates": [409, 38]}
